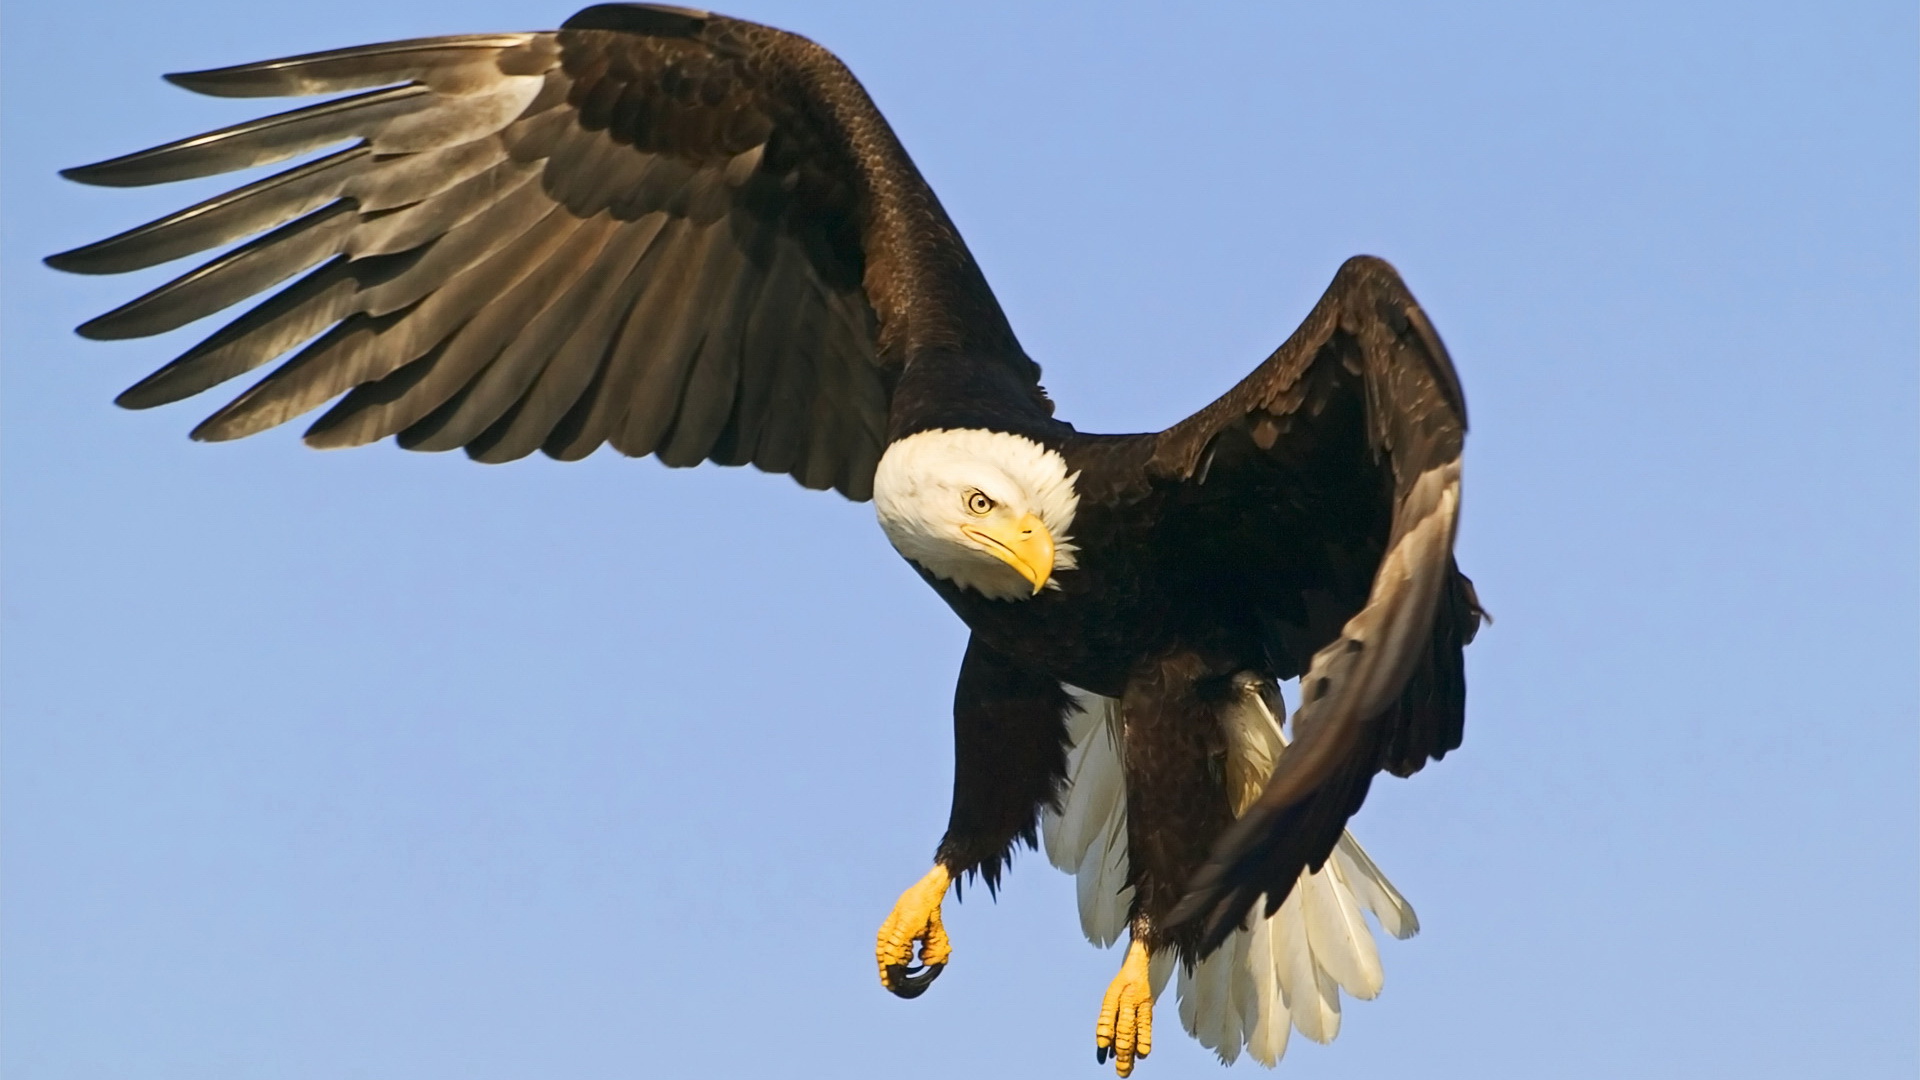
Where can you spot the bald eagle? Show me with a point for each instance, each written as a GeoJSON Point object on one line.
{"type": "Point", "coordinates": [695, 237]}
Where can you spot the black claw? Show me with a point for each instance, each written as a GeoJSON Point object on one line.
{"type": "Point", "coordinates": [1099, 1055]}
{"type": "Point", "coordinates": [907, 981]}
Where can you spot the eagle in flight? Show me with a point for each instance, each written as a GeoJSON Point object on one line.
{"type": "Point", "coordinates": [695, 237]}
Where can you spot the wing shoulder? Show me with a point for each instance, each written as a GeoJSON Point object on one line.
{"type": "Point", "coordinates": [1368, 336]}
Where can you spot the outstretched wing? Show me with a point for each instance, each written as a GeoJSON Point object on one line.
{"type": "Point", "coordinates": [1331, 474]}
{"type": "Point", "coordinates": [677, 233]}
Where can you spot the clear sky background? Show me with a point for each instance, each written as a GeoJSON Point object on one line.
{"type": "Point", "coordinates": [382, 765]}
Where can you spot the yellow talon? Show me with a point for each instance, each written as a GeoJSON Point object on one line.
{"type": "Point", "coordinates": [915, 918]}
{"type": "Point", "coordinates": [1125, 1029]}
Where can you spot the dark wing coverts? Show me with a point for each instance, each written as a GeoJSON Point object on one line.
{"type": "Point", "coordinates": [679, 234]}
{"type": "Point", "coordinates": [1342, 450]}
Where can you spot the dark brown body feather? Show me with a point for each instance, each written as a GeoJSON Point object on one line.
{"type": "Point", "coordinates": [695, 237]}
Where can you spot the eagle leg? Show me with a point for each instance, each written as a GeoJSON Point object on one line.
{"type": "Point", "coordinates": [1125, 1029]}
{"type": "Point", "coordinates": [915, 919]}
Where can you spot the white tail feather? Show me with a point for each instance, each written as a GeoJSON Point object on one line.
{"type": "Point", "coordinates": [1087, 836]}
{"type": "Point", "coordinates": [1069, 830]}
{"type": "Point", "coordinates": [1105, 897]}
{"type": "Point", "coordinates": [1313, 998]}
{"type": "Point", "coordinates": [1283, 972]}
{"type": "Point", "coordinates": [1341, 940]}
{"type": "Point", "coordinates": [1373, 890]}
{"type": "Point", "coordinates": [1160, 969]}
{"type": "Point", "coordinates": [1265, 1022]}
{"type": "Point", "coordinates": [1207, 1001]}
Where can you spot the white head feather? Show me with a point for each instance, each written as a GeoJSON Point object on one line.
{"type": "Point", "coordinates": [920, 493]}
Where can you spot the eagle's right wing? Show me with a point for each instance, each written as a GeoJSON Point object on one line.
{"type": "Point", "coordinates": [677, 233]}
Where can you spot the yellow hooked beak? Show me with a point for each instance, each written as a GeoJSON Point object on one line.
{"type": "Point", "coordinates": [1025, 545]}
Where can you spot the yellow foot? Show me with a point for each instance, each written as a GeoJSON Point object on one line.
{"type": "Point", "coordinates": [915, 918]}
{"type": "Point", "coordinates": [1125, 1029]}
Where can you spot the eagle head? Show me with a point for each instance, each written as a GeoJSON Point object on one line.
{"type": "Point", "coordinates": [986, 510]}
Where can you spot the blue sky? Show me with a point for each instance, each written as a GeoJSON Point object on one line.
{"type": "Point", "coordinates": [373, 764]}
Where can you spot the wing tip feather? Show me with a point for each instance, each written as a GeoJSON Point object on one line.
{"type": "Point", "coordinates": [108, 173]}
{"type": "Point", "coordinates": [214, 430]}
{"type": "Point", "coordinates": [141, 395]}
{"type": "Point", "coordinates": [80, 260]}
{"type": "Point", "coordinates": [112, 326]}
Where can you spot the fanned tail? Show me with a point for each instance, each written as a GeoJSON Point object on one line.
{"type": "Point", "coordinates": [1277, 974]}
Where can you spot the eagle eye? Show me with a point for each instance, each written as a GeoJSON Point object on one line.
{"type": "Point", "coordinates": [978, 503]}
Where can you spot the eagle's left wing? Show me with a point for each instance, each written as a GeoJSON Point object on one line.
{"type": "Point", "coordinates": [1335, 467]}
